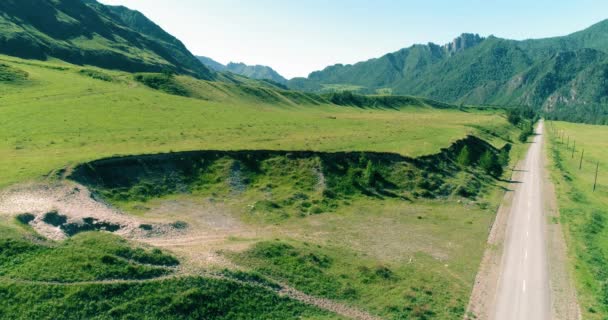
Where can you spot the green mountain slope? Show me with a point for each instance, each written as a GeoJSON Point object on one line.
{"type": "Point", "coordinates": [254, 72]}
{"type": "Point", "coordinates": [211, 64]}
{"type": "Point", "coordinates": [565, 76]}
{"type": "Point", "coordinates": [87, 32]}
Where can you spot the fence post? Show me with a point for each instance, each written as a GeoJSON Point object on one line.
{"type": "Point", "coordinates": [573, 149]}
{"type": "Point", "coordinates": [580, 165]}
{"type": "Point", "coordinates": [597, 167]}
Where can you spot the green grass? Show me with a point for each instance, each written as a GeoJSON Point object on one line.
{"type": "Point", "coordinates": [113, 37]}
{"type": "Point", "coordinates": [60, 117]}
{"type": "Point", "coordinates": [583, 212]}
{"type": "Point", "coordinates": [425, 253]}
{"type": "Point", "coordinates": [185, 298]}
{"type": "Point", "coordinates": [284, 184]}
{"type": "Point", "coordinates": [10, 74]}
{"type": "Point", "coordinates": [86, 257]}
{"type": "Point", "coordinates": [391, 290]}
{"type": "Point", "coordinates": [60, 280]}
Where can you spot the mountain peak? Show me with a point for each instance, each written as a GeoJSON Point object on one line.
{"type": "Point", "coordinates": [463, 42]}
{"type": "Point", "coordinates": [255, 72]}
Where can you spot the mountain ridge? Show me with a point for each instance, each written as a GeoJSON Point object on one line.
{"type": "Point", "coordinates": [491, 70]}
{"type": "Point", "coordinates": [88, 32]}
{"type": "Point", "coordinates": [259, 72]}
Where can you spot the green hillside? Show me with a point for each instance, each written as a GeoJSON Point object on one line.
{"type": "Point", "coordinates": [563, 76]}
{"type": "Point", "coordinates": [87, 32]}
{"type": "Point", "coordinates": [124, 115]}
{"type": "Point", "coordinates": [278, 164]}
{"type": "Point", "coordinates": [254, 72]}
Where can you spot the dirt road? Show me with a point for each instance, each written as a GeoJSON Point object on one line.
{"type": "Point", "coordinates": [523, 288]}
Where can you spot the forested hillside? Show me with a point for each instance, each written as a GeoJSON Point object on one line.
{"type": "Point", "coordinates": [564, 76]}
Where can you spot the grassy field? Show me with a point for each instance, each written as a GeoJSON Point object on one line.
{"type": "Point", "coordinates": [583, 211]}
{"type": "Point", "coordinates": [61, 117]}
{"type": "Point", "coordinates": [350, 227]}
{"type": "Point", "coordinates": [397, 260]}
{"type": "Point", "coordinates": [101, 276]}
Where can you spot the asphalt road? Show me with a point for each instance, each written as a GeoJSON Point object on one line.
{"type": "Point", "coordinates": [523, 287]}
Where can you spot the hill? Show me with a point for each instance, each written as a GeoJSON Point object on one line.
{"type": "Point", "coordinates": [563, 76]}
{"type": "Point", "coordinates": [211, 64]}
{"type": "Point", "coordinates": [89, 33]}
{"type": "Point", "coordinates": [254, 72]}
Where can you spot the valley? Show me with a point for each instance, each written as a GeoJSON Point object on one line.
{"type": "Point", "coordinates": [267, 208]}
{"type": "Point", "coordinates": [141, 181]}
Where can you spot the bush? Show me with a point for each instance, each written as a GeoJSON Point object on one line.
{"type": "Point", "coordinates": [514, 117]}
{"type": "Point", "coordinates": [25, 218]}
{"type": "Point", "coordinates": [179, 225]}
{"type": "Point", "coordinates": [369, 174]}
{"type": "Point", "coordinates": [55, 219]}
{"type": "Point", "coordinates": [526, 132]}
{"type": "Point", "coordinates": [98, 75]}
{"type": "Point", "coordinates": [490, 164]}
{"type": "Point", "coordinates": [10, 74]}
{"type": "Point", "coordinates": [503, 156]}
{"type": "Point", "coordinates": [163, 82]}
{"type": "Point", "coordinates": [464, 157]}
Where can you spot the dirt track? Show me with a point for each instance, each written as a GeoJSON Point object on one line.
{"type": "Point", "coordinates": [518, 278]}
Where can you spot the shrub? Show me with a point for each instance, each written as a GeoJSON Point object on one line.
{"type": "Point", "coordinates": [179, 225]}
{"type": "Point", "coordinates": [489, 163]}
{"type": "Point", "coordinates": [369, 174]}
{"type": "Point", "coordinates": [96, 75]}
{"type": "Point", "coordinates": [55, 219]}
{"type": "Point", "coordinates": [10, 74]}
{"type": "Point", "coordinates": [25, 218]}
{"type": "Point", "coordinates": [513, 117]}
{"type": "Point", "coordinates": [503, 157]}
{"type": "Point", "coordinates": [526, 132]}
{"type": "Point", "coordinates": [464, 157]}
{"type": "Point", "coordinates": [162, 82]}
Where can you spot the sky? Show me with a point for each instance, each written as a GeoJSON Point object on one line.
{"type": "Point", "coordinates": [296, 37]}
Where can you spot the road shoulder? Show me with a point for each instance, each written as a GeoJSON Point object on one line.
{"type": "Point", "coordinates": [564, 303]}
{"type": "Point", "coordinates": [483, 296]}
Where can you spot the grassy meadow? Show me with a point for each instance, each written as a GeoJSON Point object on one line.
{"type": "Point", "coordinates": [354, 235]}
{"type": "Point", "coordinates": [61, 117]}
{"type": "Point", "coordinates": [583, 211]}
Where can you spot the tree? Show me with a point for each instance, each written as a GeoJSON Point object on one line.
{"type": "Point", "coordinates": [503, 157]}
{"type": "Point", "coordinates": [464, 157]}
{"type": "Point", "coordinates": [168, 73]}
{"type": "Point", "coordinates": [513, 117]}
{"type": "Point", "coordinates": [526, 132]}
{"type": "Point", "coordinates": [369, 174]}
{"type": "Point", "coordinates": [489, 163]}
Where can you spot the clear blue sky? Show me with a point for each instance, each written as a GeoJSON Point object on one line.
{"type": "Point", "coordinates": [297, 37]}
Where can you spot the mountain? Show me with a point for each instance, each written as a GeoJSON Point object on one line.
{"type": "Point", "coordinates": [87, 32]}
{"type": "Point", "coordinates": [255, 72]}
{"type": "Point", "coordinates": [567, 76]}
{"type": "Point", "coordinates": [211, 64]}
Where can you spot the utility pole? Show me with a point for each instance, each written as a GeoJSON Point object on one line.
{"type": "Point", "coordinates": [597, 167]}
{"type": "Point", "coordinates": [580, 165]}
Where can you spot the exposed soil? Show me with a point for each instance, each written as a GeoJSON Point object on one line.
{"type": "Point", "coordinates": [325, 304]}
{"type": "Point", "coordinates": [66, 199]}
